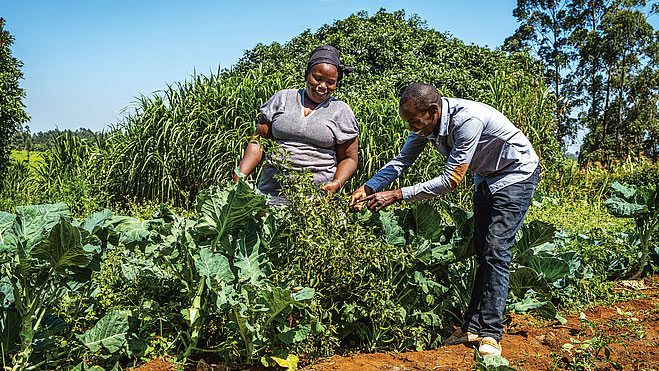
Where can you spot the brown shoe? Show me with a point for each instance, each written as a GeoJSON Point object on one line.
{"type": "Point", "coordinates": [489, 347]}
{"type": "Point", "coordinates": [459, 337]}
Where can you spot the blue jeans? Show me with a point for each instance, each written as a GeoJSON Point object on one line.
{"type": "Point", "coordinates": [497, 218]}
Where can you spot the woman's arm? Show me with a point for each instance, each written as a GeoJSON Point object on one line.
{"type": "Point", "coordinates": [347, 155]}
{"type": "Point", "coordinates": [254, 151]}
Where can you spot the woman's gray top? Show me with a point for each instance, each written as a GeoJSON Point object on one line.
{"type": "Point", "coordinates": [304, 143]}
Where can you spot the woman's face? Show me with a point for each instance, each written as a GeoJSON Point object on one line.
{"type": "Point", "coordinates": [321, 81]}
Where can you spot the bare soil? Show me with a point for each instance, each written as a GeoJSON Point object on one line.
{"type": "Point", "coordinates": [629, 330]}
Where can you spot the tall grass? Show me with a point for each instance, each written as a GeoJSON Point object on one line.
{"type": "Point", "coordinates": [187, 137]}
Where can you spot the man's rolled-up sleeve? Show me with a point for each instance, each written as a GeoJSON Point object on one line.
{"type": "Point", "coordinates": [396, 167]}
{"type": "Point", "coordinates": [465, 140]}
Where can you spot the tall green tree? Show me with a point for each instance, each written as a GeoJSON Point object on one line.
{"type": "Point", "coordinates": [601, 62]}
{"type": "Point", "coordinates": [544, 30]}
{"type": "Point", "coordinates": [12, 109]}
{"type": "Point", "coordinates": [619, 56]}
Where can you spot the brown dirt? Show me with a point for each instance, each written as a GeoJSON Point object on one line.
{"type": "Point", "coordinates": [155, 365]}
{"type": "Point", "coordinates": [530, 344]}
{"type": "Point", "coordinates": [630, 328]}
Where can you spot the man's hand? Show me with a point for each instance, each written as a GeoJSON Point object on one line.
{"type": "Point", "coordinates": [356, 199]}
{"type": "Point", "coordinates": [380, 200]}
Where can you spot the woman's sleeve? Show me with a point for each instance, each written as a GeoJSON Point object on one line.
{"type": "Point", "coordinates": [271, 108]}
{"type": "Point", "coordinates": [346, 126]}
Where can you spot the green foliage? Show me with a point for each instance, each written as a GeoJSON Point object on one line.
{"type": "Point", "coordinates": [642, 205]}
{"type": "Point", "coordinates": [12, 109]}
{"type": "Point", "coordinates": [251, 283]}
{"type": "Point", "coordinates": [192, 134]}
{"type": "Point", "coordinates": [596, 348]}
{"type": "Point", "coordinates": [600, 63]}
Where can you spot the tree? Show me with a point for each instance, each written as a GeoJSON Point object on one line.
{"type": "Point", "coordinates": [544, 30]}
{"type": "Point", "coordinates": [618, 60]}
{"type": "Point", "coordinates": [12, 109]}
{"type": "Point", "coordinates": [601, 60]}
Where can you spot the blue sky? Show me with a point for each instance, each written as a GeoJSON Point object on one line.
{"type": "Point", "coordinates": [86, 61]}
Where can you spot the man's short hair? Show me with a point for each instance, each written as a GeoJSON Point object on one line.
{"type": "Point", "coordinates": [421, 94]}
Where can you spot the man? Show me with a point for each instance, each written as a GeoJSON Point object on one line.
{"type": "Point", "coordinates": [506, 170]}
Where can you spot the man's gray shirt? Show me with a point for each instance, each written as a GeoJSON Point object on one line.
{"type": "Point", "coordinates": [470, 135]}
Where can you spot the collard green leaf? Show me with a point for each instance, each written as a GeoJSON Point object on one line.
{"type": "Point", "coordinates": [110, 332]}
{"type": "Point", "coordinates": [531, 235]}
{"type": "Point", "coordinates": [10, 329]}
{"type": "Point", "coordinates": [428, 222]}
{"type": "Point", "coordinates": [295, 334]}
{"type": "Point", "coordinates": [63, 247]}
{"type": "Point", "coordinates": [523, 279]}
{"type": "Point", "coordinates": [393, 234]}
{"type": "Point", "coordinates": [627, 192]}
{"type": "Point", "coordinates": [551, 268]}
{"type": "Point", "coordinates": [95, 221]}
{"type": "Point", "coordinates": [277, 300]}
{"type": "Point", "coordinates": [132, 231]}
{"type": "Point", "coordinates": [215, 266]}
{"type": "Point", "coordinates": [621, 208]}
{"type": "Point", "coordinates": [248, 259]}
{"type": "Point", "coordinates": [7, 220]}
{"type": "Point", "coordinates": [305, 293]}
{"type": "Point", "coordinates": [223, 211]}
{"type": "Point", "coordinates": [34, 222]}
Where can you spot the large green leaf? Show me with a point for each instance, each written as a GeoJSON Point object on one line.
{"type": "Point", "coordinates": [531, 303]}
{"type": "Point", "coordinates": [295, 334]}
{"type": "Point", "coordinates": [393, 234]}
{"type": "Point", "coordinates": [551, 268]}
{"type": "Point", "coordinates": [276, 300]}
{"type": "Point", "coordinates": [95, 221]}
{"type": "Point", "coordinates": [10, 328]}
{"type": "Point", "coordinates": [627, 192]}
{"type": "Point", "coordinates": [63, 247]}
{"type": "Point", "coordinates": [110, 332]}
{"type": "Point", "coordinates": [248, 259]}
{"type": "Point", "coordinates": [131, 231]}
{"type": "Point", "coordinates": [34, 222]}
{"type": "Point", "coordinates": [7, 220]}
{"type": "Point", "coordinates": [223, 211]}
{"type": "Point", "coordinates": [523, 279]}
{"type": "Point", "coordinates": [531, 235]}
{"type": "Point", "coordinates": [215, 267]}
{"type": "Point", "coordinates": [621, 208]}
{"type": "Point", "coordinates": [428, 222]}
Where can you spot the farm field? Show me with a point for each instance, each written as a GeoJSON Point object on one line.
{"type": "Point", "coordinates": [134, 248]}
{"type": "Point", "coordinates": [34, 157]}
{"type": "Point", "coordinates": [629, 329]}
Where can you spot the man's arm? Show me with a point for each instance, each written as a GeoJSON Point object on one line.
{"type": "Point", "coordinates": [389, 172]}
{"type": "Point", "coordinates": [465, 141]}
{"type": "Point", "coordinates": [397, 166]}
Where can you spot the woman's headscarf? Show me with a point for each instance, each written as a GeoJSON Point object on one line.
{"type": "Point", "coordinates": [327, 54]}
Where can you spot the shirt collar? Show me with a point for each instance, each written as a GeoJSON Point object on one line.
{"type": "Point", "coordinates": [442, 126]}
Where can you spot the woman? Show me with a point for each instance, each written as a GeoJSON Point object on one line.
{"type": "Point", "coordinates": [313, 130]}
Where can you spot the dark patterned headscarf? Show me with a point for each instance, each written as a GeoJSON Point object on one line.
{"type": "Point", "coordinates": [327, 54]}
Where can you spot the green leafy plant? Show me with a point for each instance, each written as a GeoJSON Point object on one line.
{"type": "Point", "coordinates": [43, 254]}
{"type": "Point", "coordinates": [642, 205]}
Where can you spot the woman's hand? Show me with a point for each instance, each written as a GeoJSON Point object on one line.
{"type": "Point", "coordinates": [380, 200]}
{"type": "Point", "coordinates": [356, 199]}
{"type": "Point", "coordinates": [331, 187]}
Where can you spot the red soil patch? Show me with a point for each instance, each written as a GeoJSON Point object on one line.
{"type": "Point", "coordinates": [530, 344]}
{"type": "Point", "coordinates": [631, 330]}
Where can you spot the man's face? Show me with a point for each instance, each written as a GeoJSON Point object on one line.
{"type": "Point", "coordinates": [421, 122]}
